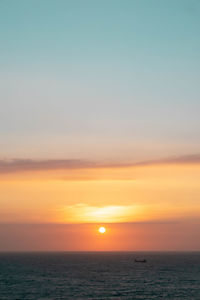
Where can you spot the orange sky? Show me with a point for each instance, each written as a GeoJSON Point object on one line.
{"type": "Point", "coordinates": [163, 193]}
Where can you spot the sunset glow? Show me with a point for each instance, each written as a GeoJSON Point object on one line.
{"type": "Point", "coordinates": [99, 125]}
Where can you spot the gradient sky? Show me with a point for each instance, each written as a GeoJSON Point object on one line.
{"type": "Point", "coordinates": [99, 124]}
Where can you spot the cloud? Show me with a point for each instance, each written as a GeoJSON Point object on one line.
{"type": "Point", "coordinates": [185, 159]}
{"type": "Point", "coordinates": [21, 165]}
{"type": "Point", "coordinates": [93, 214]}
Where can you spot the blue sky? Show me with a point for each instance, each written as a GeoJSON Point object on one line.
{"type": "Point", "coordinates": [99, 79]}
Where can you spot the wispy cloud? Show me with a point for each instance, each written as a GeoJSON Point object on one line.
{"type": "Point", "coordinates": [108, 214]}
{"type": "Point", "coordinates": [183, 159]}
{"type": "Point", "coordinates": [18, 165]}
{"type": "Point", "coordinates": [21, 165]}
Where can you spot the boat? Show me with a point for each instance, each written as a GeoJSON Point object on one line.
{"type": "Point", "coordinates": [140, 260]}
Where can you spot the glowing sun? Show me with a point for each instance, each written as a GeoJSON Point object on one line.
{"type": "Point", "coordinates": [102, 229]}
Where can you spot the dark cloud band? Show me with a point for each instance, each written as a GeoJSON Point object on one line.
{"type": "Point", "coordinates": [20, 165]}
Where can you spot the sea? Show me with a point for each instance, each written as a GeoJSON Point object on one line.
{"type": "Point", "coordinates": [99, 275]}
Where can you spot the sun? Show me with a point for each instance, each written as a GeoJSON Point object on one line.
{"type": "Point", "coordinates": [102, 229]}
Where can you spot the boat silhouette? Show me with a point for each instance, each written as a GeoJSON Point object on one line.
{"type": "Point", "coordinates": [140, 260]}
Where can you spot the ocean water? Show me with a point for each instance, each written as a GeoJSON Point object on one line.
{"type": "Point", "coordinates": [45, 276]}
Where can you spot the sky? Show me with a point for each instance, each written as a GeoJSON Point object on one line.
{"type": "Point", "coordinates": [99, 125]}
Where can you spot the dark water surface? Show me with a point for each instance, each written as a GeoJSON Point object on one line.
{"type": "Point", "coordinates": [99, 276]}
